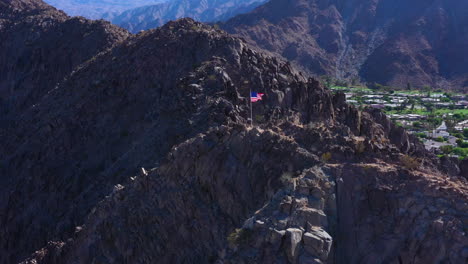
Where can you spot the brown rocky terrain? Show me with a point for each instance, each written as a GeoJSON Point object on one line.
{"type": "Point", "coordinates": [144, 154]}
{"type": "Point", "coordinates": [385, 41]}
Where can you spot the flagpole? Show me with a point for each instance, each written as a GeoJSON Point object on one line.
{"type": "Point", "coordinates": [250, 98]}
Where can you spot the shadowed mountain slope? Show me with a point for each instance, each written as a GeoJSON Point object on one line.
{"type": "Point", "coordinates": [40, 46]}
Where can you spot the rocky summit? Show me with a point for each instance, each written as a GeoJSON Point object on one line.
{"type": "Point", "coordinates": [144, 153]}
{"type": "Point", "coordinates": [390, 42]}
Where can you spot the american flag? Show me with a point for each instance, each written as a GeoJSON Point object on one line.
{"type": "Point", "coordinates": [255, 97]}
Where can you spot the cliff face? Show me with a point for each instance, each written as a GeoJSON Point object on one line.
{"type": "Point", "coordinates": [389, 42]}
{"type": "Point", "coordinates": [144, 154]}
{"type": "Point", "coordinates": [40, 46]}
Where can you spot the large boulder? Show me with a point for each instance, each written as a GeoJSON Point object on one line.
{"type": "Point", "coordinates": [318, 242]}
{"type": "Point", "coordinates": [293, 246]}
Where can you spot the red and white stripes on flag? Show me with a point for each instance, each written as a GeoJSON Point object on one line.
{"type": "Point", "coordinates": [255, 97]}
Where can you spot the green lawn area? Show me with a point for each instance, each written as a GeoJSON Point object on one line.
{"type": "Point", "coordinates": [454, 111]}
{"type": "Point", "coordinates": [339, 88]}
{"type": "Point", "coordinates": [409, 91]}
{"type": "Point", "coordinates": [352, 88]}
{"type": "Point", "coordinates": [424, 112]}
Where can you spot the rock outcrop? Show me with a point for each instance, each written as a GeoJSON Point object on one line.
{"type": "Point", "coordinates": [145, 154]}
{"type": "Point", "coordinates": [384, 41]}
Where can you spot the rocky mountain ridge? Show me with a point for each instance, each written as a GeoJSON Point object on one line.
{"type": "Point", "coordinates": [383, 41]}
{"type": "Point", "coordinates": [140, 157]}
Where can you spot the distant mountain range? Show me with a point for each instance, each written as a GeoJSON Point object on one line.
{"type": "Point", "coordinates": [393, 42]}
{"type": "Point", "coordinates": [148, 17]}
{"type": "Point", "coordinates": [95, 9]}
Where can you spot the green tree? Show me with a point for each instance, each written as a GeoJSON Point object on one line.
{"type": "Point", "coordinates": [417, 124]}
{"type": "Point", "coordinates": [421, 135]}
{"type": "Point", "coordinates": [446, 149]}
{"type": "Point", "coordinates": [429, 107]}
{"type": "Point", "coordinates": [462, 144]}
{"type": "Point", "coordinates": [427, 89]}
{"type": "Point", "coordinates": [462, 152]}
{"type": "Point", "coordinates": [445, 100]}
{"type": "Point", "coordinates": [411, 102]}
{"type": "Point", "coordinates": [450, 124]}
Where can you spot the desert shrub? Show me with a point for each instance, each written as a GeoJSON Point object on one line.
{"type": "Point", "coordinates": [446, 149]}
{"type": "Point", "coordinates": [409, 162]}
{"type": "Point", "coordinates": [360, 147]}
{"type": "Point", "coordinates": [239, 236]}
{"type": "Point", "coordinates": [212, 77]}
{"type": "Point", "coordinates": [286, 178]}
{"type": "Point", "coordinates": [259, 118]}
{"type": "Point", "coordinates": [326, 157]}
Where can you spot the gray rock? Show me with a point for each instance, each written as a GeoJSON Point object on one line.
{"type": "Point", "coordinates": [318, 242]}
{"type": "Point", "coordinates": [293, 244]}
{"type": "Point", "coordinates": [312, 216]}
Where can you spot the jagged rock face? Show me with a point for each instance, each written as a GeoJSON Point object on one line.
{"type": "Point", "coordinates": [175, 101]}
{"type": "Point", "coordinates": [40, 46]}
{"type": "Point", "coordinates": [194, 200]}
{"type": "Point", "coordinates": [385, 41]}
{"type": "Point", "coordinates": [389, 215]}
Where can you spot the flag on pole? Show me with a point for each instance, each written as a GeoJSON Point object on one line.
{"type": "Point", "coordinates": [255, 97]}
